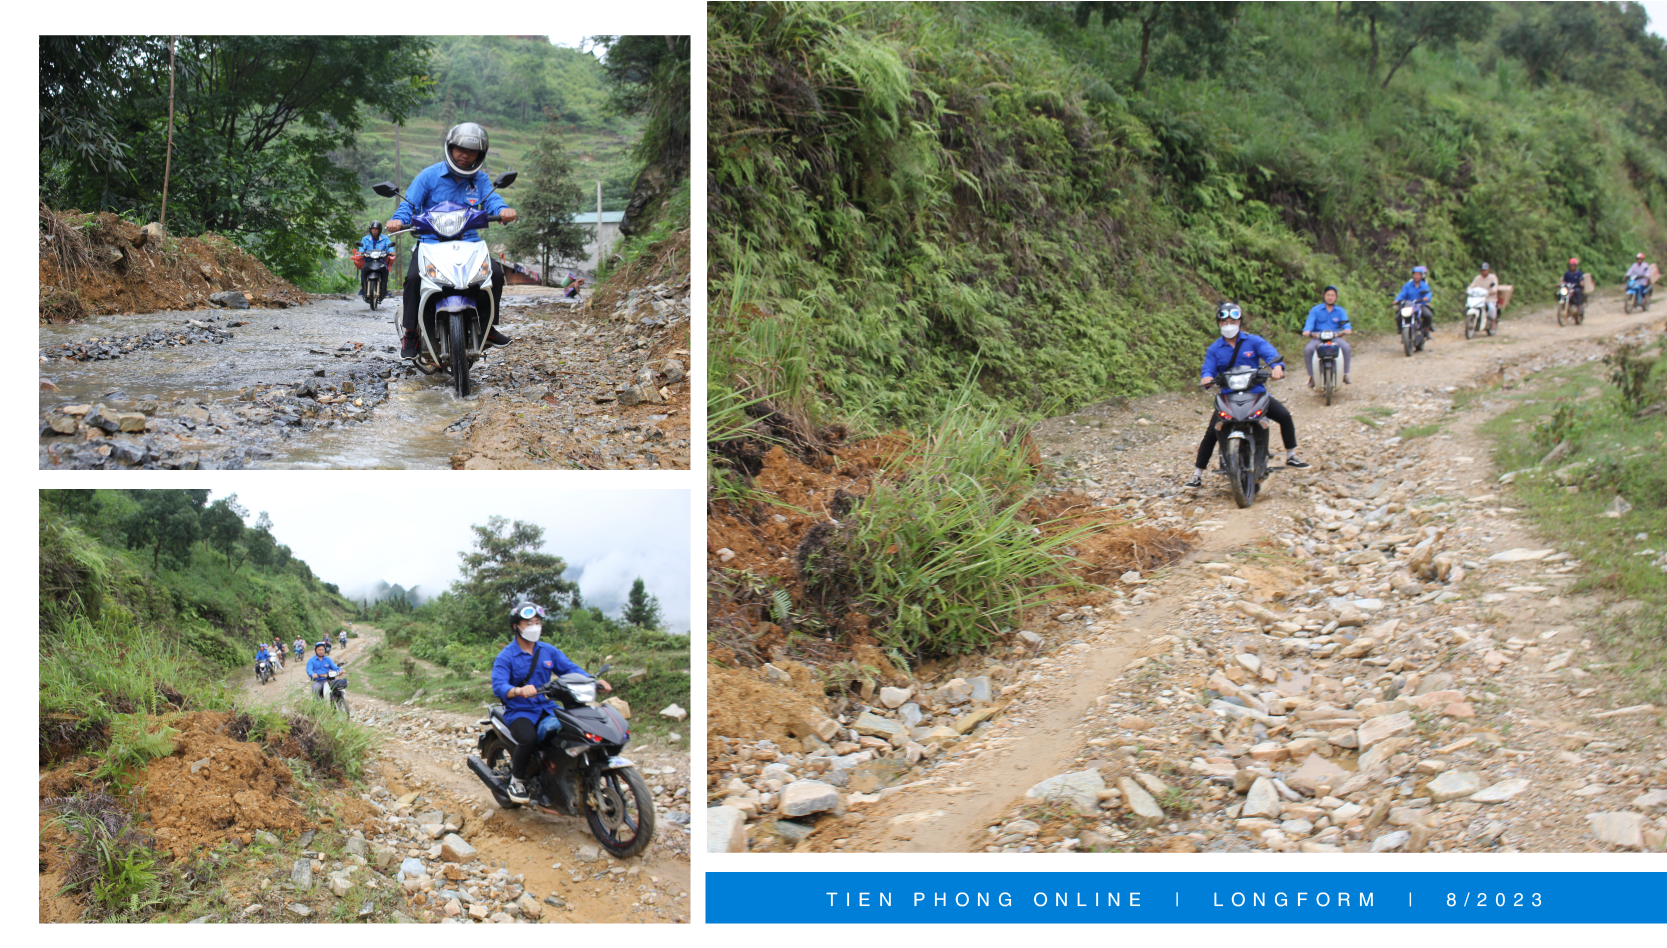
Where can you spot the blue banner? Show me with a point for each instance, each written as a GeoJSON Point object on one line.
{"type": "Point", "coordinates": [1372, 898]}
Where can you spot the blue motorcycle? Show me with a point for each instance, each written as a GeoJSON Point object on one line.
{"type": "Point", "coordinates": [1637, 294]}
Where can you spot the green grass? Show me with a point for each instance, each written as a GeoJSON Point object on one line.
{"type": "Point", "coordinates": [1419, 431]}
{"type": "Point", "coordinates": [1375, 416]}
{"type": "Point", "coordinates": [1623, 458]}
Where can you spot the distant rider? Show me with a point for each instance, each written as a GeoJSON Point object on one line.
{"type": "Point", "coordinates": [319, 668]}
{"type": "Point", "coordinates": [261, 655]}
{"type": "Point", "coordinates": [460, 179]}
{"type": "Point", "coordinates": [519, 671]}
{"type": "Point", "coordinates": [1641, 270]}
{"type": "Point", "coordinates": [300, 646]}
{"type": "Point", "coordinates": [1417, 292]}
{"type": "Point", "coordinates": [1575, 279]}
{"type": "Point", "coordinates": [1488, 281]}
{"type": "Point", "coordinates": [1234, 348]}
{"type": "Point", "coordinates": [372, 241]}
{"type": "Point", "coordinates": [342, 635]}
{"type": "Point", "coordinates": [1327, 317]}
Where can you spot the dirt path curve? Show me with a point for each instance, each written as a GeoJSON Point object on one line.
{"type": "Point", "coordinates": [424, 749]}
{"type": "Point", "coordinates": [956, 804]}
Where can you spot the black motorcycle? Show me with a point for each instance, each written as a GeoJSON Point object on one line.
{"type": "Point", "coordinates": [576, 769]}
{"type": "Point", "coordinates": [1242, 430]}
{"type": "Point", "coordinates": [376, 276]}
{"type": "Point", "coordinates": [263, 670]}
{"type": "Point", "coordinates": [337, 686]}
{"type": "Point", "coordinates": [1410, 321]}
{"type": "Point", "coordinates": [1326, 352]}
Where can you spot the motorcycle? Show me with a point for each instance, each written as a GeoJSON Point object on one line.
{"type": "Point", "coordinates": [377, 264]}
{"type": "Point", "coordinates": [1412, 329]}
{"type": "Point", "coordinates": [336, 685]}
{"type": "Point", "coordinates": [1566, 309]}
{"type": "Point", "coordinates": [1476, 317]}
{"type": "Point", "coordinates": [576, 768]}
{"type": "Point", "coordinates": [1326, 353]}
{"type": "Point", "coordinates": [263, 671]}
{"type": "Point", "coordinates": [1637, 295]}
{"type": "Point", "coordinates": [455, 307]}
{"type": "Point", "coordinates": [1242, 426]}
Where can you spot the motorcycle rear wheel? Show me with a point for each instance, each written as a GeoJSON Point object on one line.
{"type": "Point", "coordinates": [1241, 470]}
{"type": "Point", "coordinates": [459, 355]}
{"type": "Point", "coordinates": [620, 811]}
{"type": "Point", "coordinates": [496, 755]}
{"type": "Point", "coordinates": [1580, 314]}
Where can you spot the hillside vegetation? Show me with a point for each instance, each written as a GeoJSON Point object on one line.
{"type": "Point", "coordinates": [907, 198]}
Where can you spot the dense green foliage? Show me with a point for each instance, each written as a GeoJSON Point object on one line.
{"type": "Point", "coordinates": [898, 190]}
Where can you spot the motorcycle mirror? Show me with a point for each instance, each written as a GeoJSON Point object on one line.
{"type": "Point", "coordinates": [603, 670]}
{"type": "Point", "coordinates": [385, 188]}
{"type": "Point", "coordinates": [505, 180]}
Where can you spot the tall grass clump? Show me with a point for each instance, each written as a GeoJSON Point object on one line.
{"type": "Point", "coordinates": [113, 665]}
{"type": "Point", "coordinates": [944, 559]}
{"type": "Point", "coordinates": [112, 866]}
{"type": "Point", "coordinates": [333, 743]}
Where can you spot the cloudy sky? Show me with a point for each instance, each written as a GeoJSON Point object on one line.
{"type": "Point", "coordinates": [355, 537]}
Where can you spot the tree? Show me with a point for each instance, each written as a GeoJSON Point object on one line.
{"type": "Point", "coordinates": [641, 609]}
{"type": "Point", "coordinates": [256, 120]}
{"type": "Point", "coordinates": [223, 526]}
{"type": "Point", "coordinates": [263, 549]}
{"type": "Point", "coordinates": [507, 566]}
{"type": "Point", "coordinates": [649, 76]}
{"type": "Point", "coordinates": [1203, 27]}
{"type": "Point", "coordinates": [546, 230]}
{"type": "Point", "coordinates": [1408, 26]}
{"type": "Point", "coordinates": [166, 523]}
{"type": "Point", "coordinates": [70, 502]}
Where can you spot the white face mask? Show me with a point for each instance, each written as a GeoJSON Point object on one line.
{"type": "Point", "coordinates": [531, 632]}
{"type": "Point", "coordinates": [1229, 331]}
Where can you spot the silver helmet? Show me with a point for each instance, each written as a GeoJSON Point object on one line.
{"type": "Point", "coordinates": [466, 135]}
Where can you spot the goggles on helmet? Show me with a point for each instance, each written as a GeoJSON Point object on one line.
{"type": "Point", "coordinates": [527, 612]}
{"type": "Point", "coordinates": [1228, 312]}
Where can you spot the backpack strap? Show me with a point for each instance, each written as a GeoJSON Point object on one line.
{"type": "Point", "coordinates": [533, 666]}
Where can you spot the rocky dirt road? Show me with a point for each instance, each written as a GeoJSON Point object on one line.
{"type": "Point", "coordinates": [1378, 656]}
{"type": "Point", "coordinates": [420, 784]}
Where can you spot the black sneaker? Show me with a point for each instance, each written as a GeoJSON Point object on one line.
{"type": "Point", "coordinates": [1295, 462]}
{"type": "Point", "coordinates": [496, 338]}
{"type": "Point", "coordinates": [408, 346]}
{"type": "Point", "coordinates": [517, 791]}
{"type": "Point", "coordinates": [1195, 480]}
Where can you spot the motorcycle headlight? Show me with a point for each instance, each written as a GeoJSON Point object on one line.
{"type": "Point", "coordinates": [585, 693]}
{"type": "Point", "coordinates": [1327, 336]}
{"type": "Point", "coordinates": [449, 223]}
{"type": "Point", "coordinates": [1406, 311]}
{"type": "Point", "coordinates": [433, 273]}
{"type": "Point", "coordinates": [1238, 383]}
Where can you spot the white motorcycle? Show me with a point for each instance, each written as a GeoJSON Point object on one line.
{"type": "Point", "coordinates": [455, 306]}
{"type": "Point", "coordinates": [1476, 317]}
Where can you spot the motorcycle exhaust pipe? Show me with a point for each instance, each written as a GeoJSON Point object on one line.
{"type": "Point", "coordinates": [486, 776]}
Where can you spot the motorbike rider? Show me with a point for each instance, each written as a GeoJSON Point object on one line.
{"type": "Point", "coordinates": [1327, 317]}
{"type": "Point", "coordinates": [460, 178]}
{"type": "Point", "coordinates": [1487, 280]}
{"type": "Point", "coordinates": [342, 636]}
{"type": "Point", "coordinates": [261, 655]}
{"type": "Point", "coordinates": [1417, 292]}
{"type": "Point", "coordinates": [300, 646]}
{"type": "Point", "coordinates": [319, 667]}
{"type": "Point", "coordinates": [1575, 279]}
{"type": "Point", "coordinates": [373, 240]}
{"type": "Point", "coordinates": [525, 665]}
{"type": "Point", "coordinates": [1641, 270]}
{"type": "Point", "coordinates": [1235, 348]}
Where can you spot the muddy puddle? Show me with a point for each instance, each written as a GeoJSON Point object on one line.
{"type": "Point", "coordinates": [312, 386]}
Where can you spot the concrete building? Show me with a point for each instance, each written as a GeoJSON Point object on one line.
{"type": "Point", "coordinates": [610, 235]}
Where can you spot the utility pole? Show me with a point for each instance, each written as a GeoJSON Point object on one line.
{"type": "Point", "coordinates": [598, 225]}
{"type": "Point", "coordinates": [399, 176]}
{"type": "Point", "coordinates": [168, 161]}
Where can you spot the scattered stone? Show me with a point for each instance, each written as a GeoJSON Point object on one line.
{"type": "Point", "coordinates": [453, 848]}
{"type": "Point", "coordinates": [1454, 785]}
{"type": "Point", "coordinates": [1080, 789]}
{"type": "Point", "coordinates": [1142, 808]}
{"type": "Point", "coordinates": [1618, 829]}
{"type": "Point", "coordinates": [1501, 791]}
{"type": "Point", "coordinates": [804, 797]}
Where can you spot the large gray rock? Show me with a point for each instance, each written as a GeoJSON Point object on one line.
{"type": "Point", "coordinates": [340, 883]}
{"type": "Point", "coordinates": [1081, 790]}
{"type": "Point", "coordinates": [1454, 784]}
{"type": "Point", "coordinates": [1501, 791]}
{"type": "Point", "coordinates": [894, 697]}
{"type": "Point", "coordinates": [411, 868]}
{"type": "Point", "coordinates": [1262, 801]}
{"type": "Point", "coordinates": [231, 299]}
{"type": "Point", "coordinates": [1316, 772]}
{"type": "Point", "coordinates": [1390, 842]}
{"type": "Point", "coordinates": [726, 830]}
{"type": "Point", "coordinates": [1385, 727]}
{"type": "Point", "coordinates": [453, 848]}
{"type": "Point", "coordinates": [805, 797]}
{"type": "Point", "coordinates": [302, 875]}
{"type": "Point", "coordinates": [356, 846]}
{"type": "Point", "coordinates": [1618, 829]}
{"type": "Point", "coordinates": [1140, 804]}
{"type": "Point", "coordinates": [875, 726]}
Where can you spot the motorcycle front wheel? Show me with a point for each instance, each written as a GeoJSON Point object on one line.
{"type": "Point", "coordinates": [620, 811]}
{"type": "Point", "coordinates": [1562, 311]}
{"type": "Point", "coordinates": [1470, 325]}
{"type": "Point", "coordinates": [1406, 338]}
{"type": "Point", "coordinates": [1328, 380]}
{"type": "Point", "coordinates": [459, 355]}
{"type": "Point", "coordinates": [340, 701]}
{"type": "Point", "coordinates": [374, 294]}
{"type": "Point", "coordinates": [1626, 303]}
{"type": "Point", "coordinates": [1241, 470]}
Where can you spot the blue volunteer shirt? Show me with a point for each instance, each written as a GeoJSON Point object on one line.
{"type": "Point", "coordinates": [1414, 292]}
{"type": "Point", "coordinates": [1255, 350]}
{"type": "Point", "coordinates": [317, 666]}
{"type": "Point", "coordinates": [436, 184]}
{"type": "Point", "coordinates": [383, 242]}
{"type": "Point", "coordinates": [511, 666]}
{"type": "Point", "coordinates": [1323, 318]}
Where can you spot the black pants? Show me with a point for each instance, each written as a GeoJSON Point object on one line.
{"type": "Point", "coordinates": [525, 732]}
{"type": "Point", "coordinates": [413, 291]}
{"type": "Point", "coordinates": [1276, 412]}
